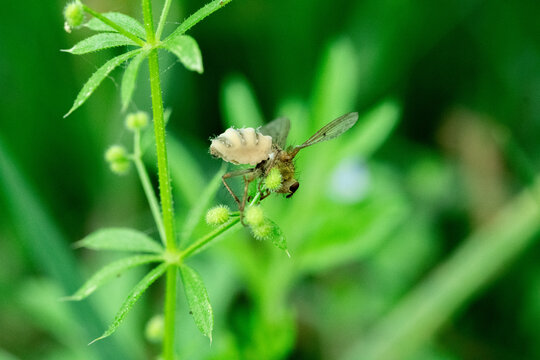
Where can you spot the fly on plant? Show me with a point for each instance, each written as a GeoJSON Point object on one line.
{"type": "Point", "coordinates": [265, 149]}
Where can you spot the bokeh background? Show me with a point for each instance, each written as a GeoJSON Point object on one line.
{"type": "Point", "coordinates": [413, 236]}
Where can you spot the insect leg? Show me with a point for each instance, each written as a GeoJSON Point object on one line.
{"type": "Point", "coordinates": [231, 175]}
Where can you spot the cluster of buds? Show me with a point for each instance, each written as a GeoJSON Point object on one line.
{"type": "Point", "coordinates": [73, 15]}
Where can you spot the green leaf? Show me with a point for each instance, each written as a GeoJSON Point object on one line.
{"type": "Point", "coordinates": [132, 298]}
{"type": "Point", "coordinates": [109, 272]}
{"type": "Point", "coordinates": [187, 50]}
{"type": "Point", "coordinates": [129, 79]}
{"type": "Point", "coordinates": [120, 239]}
{"type": "Point", "coordinates": [125, 21]}
{"type": "Point", "coordinates": [100, 42]}
{"type": "Point", "coordinates": [239, 103]}
{"type": "Point", "coordinates": [196, 213]}
{"type": "Point", "coordinates": [95, 80]}
{"type": "Point", "coordinates": [198, 300]}
{"type": "Point", "coordinates": [277, 237]}
{"type": "Point", "coordinates": [198, 16]}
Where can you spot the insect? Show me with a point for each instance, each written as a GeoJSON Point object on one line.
{"type": "Point", "coordinates": [265, 149]}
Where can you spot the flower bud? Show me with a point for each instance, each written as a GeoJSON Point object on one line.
{"type": "Point", "coordinates": [74, 15]}
{"type": "Point", "coordinates": [254, 216]}
{"type": "Point", "coordinates": [136, 121]}
{"type": "Point", "coordinates": [217, 215]}
{"type": "Point", "coordinates": [273, 180]}
{"type": "Point", "coordinates": [262, 231]}
{"type": "Point", "coordinates": [118, 159]}
{"type": "Point", "coordinates": [154, 329]}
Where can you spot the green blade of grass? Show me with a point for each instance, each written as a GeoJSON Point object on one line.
{"type": "Point", "coordinates": [47, 246]}
{"type": "Point", "coordinates": [109, 272]}
{"type": "Point", "coordinates": [130, 78]}
{"type": "Point", "coordinates": [239, 104]}
{"type": "Point", "coordinates": [120, 239]}
{"type": "Point", "coordinates": [132, 298]}
{"type": "Point", "coordinates": [416, 318]}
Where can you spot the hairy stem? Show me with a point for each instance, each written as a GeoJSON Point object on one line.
{"type": "Point", "coordinates": [114, 25]}
{"type": "Point", "coordinates": [147, 186]}
{"type": "Point", "coordinates": [165, 190]}
{"type": "Point", "coordinates": [198, 245]}
{"type": "Point", "coordinates": [163, 18]}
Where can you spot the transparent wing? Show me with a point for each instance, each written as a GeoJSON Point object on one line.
{"type": "Point", "coordinates": [331, 130]}
{"type": "Point", "coordinates": [278, 129]}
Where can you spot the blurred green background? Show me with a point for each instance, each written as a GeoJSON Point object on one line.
{"type": "Point", "coordinates": [412, 236]}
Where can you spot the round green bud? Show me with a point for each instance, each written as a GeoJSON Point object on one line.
{"type": "Point", "coordinates": [273, 180]}
{"type": "Point", "coordinates": [116, 153]}
{"type": "Point", "coordinates": [74, 15]}
{"type": "Point", "coordinates": [155, 329]}
{"type": "Point", "coordinates": [254, 216]}
{"type": "Point", "coordinates": [217, 215]}
{"type": "Point", "coordinates": [262, 231]}
{"type": "Point", "coordinates": [137, 121]}
{"type": "Point", "coordinates": [120, 167]}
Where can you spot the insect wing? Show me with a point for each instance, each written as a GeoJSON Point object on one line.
{"type": "Point", "coordinates": [331, 130]}
{"type": "Point", "coordinates": [278, 129]}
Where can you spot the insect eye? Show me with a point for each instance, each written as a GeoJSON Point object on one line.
{"type": "Point", "coordinates": [292, 189]}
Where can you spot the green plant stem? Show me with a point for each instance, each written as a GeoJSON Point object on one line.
{"type": "Point", "coordinates": [114, 25]}
{"type": "Point", "coordinates": [202, 242]}
{"type": "Point", "coordinates": [170, 310]}
{"type": "Point", "coordinates": [163, 18]}
{"type": "Point", "coordinates": [165, 191]}
{"type": "Point", "coordinates": [198, 16]}
{"type": "Point", "coordinates": [147, 185]}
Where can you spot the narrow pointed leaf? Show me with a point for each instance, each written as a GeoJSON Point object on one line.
{"type": "Point", "coordinates": [120, 239]}
{"type": "Point", "coordinates": [196, 213]}
{"type": "Point", "coordinates": [129, 79]}
{"type": "Point", "coordinates": [198, 300]}
{"type": "Point", "coordinates": [127, 22]}
{"type": "Point", "coordinates": [198, 16]}
{"type": "Point", "coordinates": [100, 42]}
{"type": "Point", "coordinates": [132, 298]}
{"type": "Point", "coordinates": [109, 272]}
{"type": "Point", "coordinates": [187, 50]}
{"type": "Point", "coordinates": [95, 80]}
{"type": "Point", "coordinates": [277, 237]}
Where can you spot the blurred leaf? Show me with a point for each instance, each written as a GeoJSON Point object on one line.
{"type": "Point", "coordinates": [186, 172]}
{"type": "Point", "coordinates": [129, 79]}
{"type": "Point", "coordinates": [336, 88]}
{"type": "Point", "coordinates": [47, 246]}
{"type": "Point", "coordinates": [239, 104]}
{"type": "Point", "coordinates": [4, 355]}
{"type": "Point", "coordinates": [110, 271]}
{"type": "Point", "coordinates": [197, 211]}
{"type": "Point", "coordinates": [132, 298]}
{"type": "Point", "coordinates": [100, 42]}
{"type": "Point", "coordinates": [95, 80]}
{"type": "Point", "coordinates": [125, 21]}
{"type": "Point", "coordinates": [120, 239]}
{"type": "Point", "coordinates": [198, 300]}
{"type": "Point", "coordinates": [187, 50]}
{"type": "Point", "coordinates": [372, 130]}
{"type": "Point", "coordinates": [277, 237]}
{"type": "Point", "coordinates": [421, 312]}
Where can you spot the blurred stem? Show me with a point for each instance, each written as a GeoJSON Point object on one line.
{"type": "Point", "coordinates": [163, 18]}
{"type": "Point", "coordinates": [425, 309]}
{"type": "Point", "coordinates": [114, 25]}
{"type": "Point", "coordinates": [164, 182]}
{"type": "Point", "coordinates": [147, 185]}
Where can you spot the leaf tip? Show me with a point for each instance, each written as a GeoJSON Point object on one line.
{"type": "Point", "coordinates": [288, 253]}
{"type": "Point", "coordinates": [97, 339]}
{"type": "Point", "coordinates": [70, 298]}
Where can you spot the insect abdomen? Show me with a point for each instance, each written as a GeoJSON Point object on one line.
{"type": "Point", "coordinates": [242, 146]}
